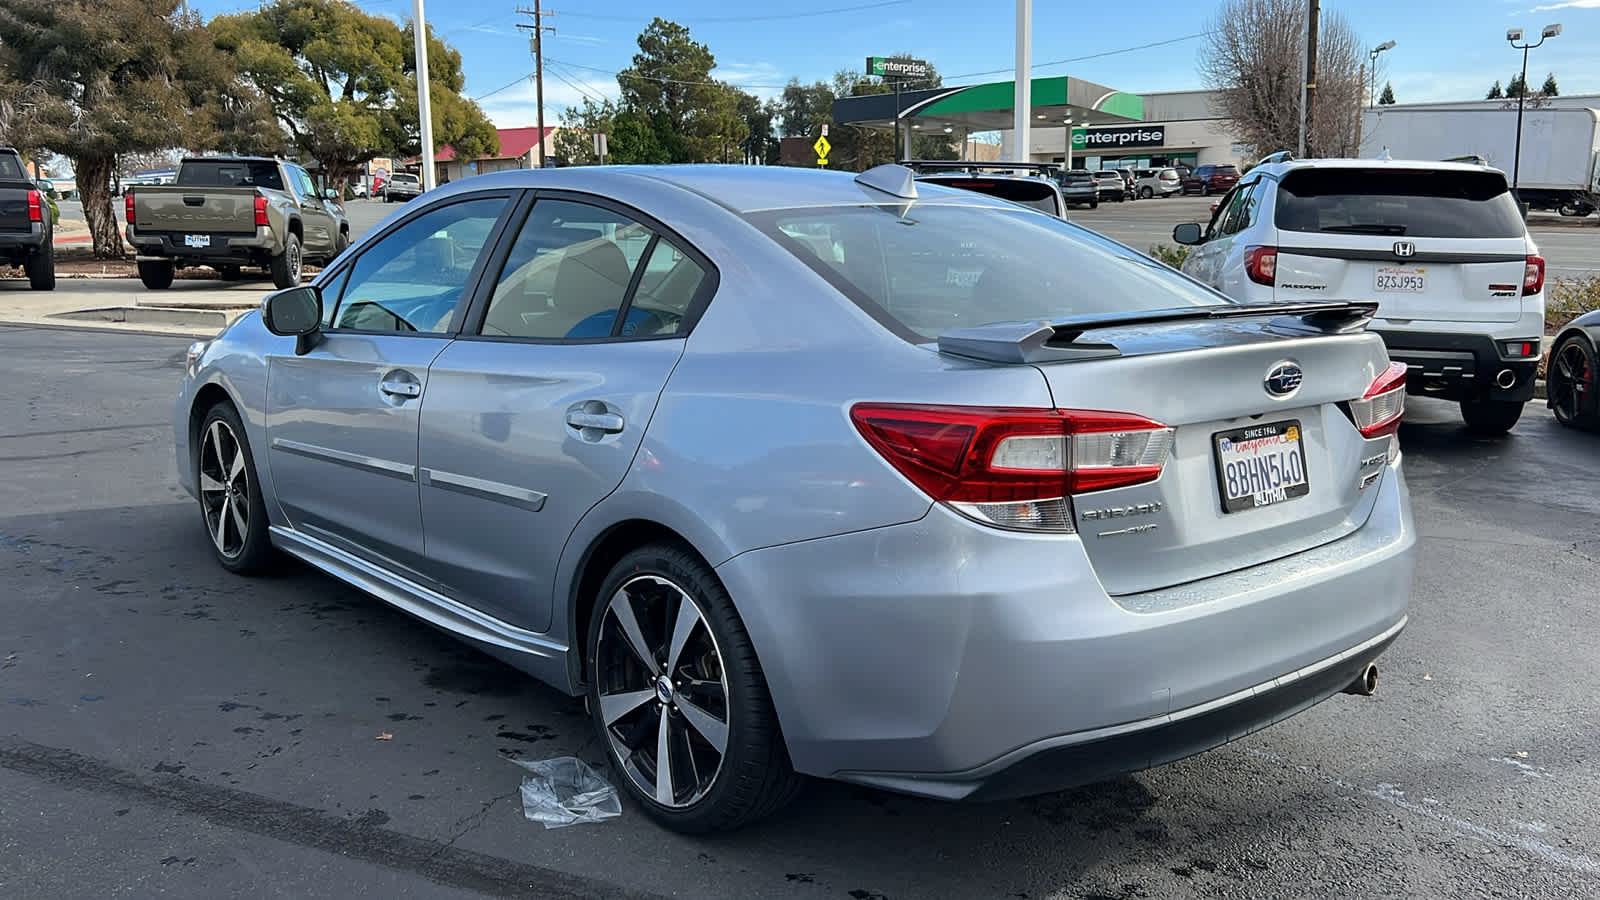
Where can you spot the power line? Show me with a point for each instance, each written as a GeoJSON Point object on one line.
{"type": "Point", "coordinates": [773, 17]}
{"type": "Point", "coordinates": [505, 87]}
{"type": "Point", "coordinates": [582, 91]}
{"type": "Point", "coordinates": [1105, 53]}
{"type": "Point", "coordinates": [573, 65]}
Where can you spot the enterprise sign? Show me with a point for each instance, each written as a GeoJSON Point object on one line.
{"type": "Point", "coordinates": [896, 67]}
{"type": "Point", "coordinates": [1119, 136]}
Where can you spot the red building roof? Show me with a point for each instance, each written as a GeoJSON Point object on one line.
{"type": "Point", "coordinates": [514, 142]}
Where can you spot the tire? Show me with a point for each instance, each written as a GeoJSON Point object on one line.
{"type": "Point", "coordinates": [1145, 193]}
{"type": "Point", "coordinates": [1488, 417]}
{"type": "Point", "coordinates": [40, 267]}
{"type": "Point", "coordinates": [285, 267]}
{"type": "Point", "coordinates": [229, 273]}
{"type": "Point", "coordinates": [340, 244]}
{"type": "Point", "coordinates": [1094, 204]}
{"type": "Point", "coordinates": [225, 479]}
{"type": "Point", "coordinates": [1205, 190]}
{"type": "Point", "coordinates": [157, 274]}
{"type": "Point", "coordinates": [631, 698]}
{"type": "Point", "coordinates": [1572, 383]}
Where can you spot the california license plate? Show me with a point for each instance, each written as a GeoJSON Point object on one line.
{"type": "Point", "coordinates": [197, 240]}
{"type": "Point", "coordinates": [1261, 465]}
{"type": "Point", "coordinates": [1399, 280]}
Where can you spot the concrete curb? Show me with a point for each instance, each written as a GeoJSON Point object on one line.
{"type": "Point", "coordinates": [149, 315]}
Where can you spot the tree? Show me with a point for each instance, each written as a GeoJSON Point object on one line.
{"type": "Point", "coordinates": [1387, 97]}
{"type": "Point", "coordinates": [1495, 92]}
{"type": "Point", "coordinates": [342, 82]}
{"type": "Point", "coordinates": [91, 79]}
{"type": "Point", "coordinates": [1517, 87]}
{"type": "Point", "coordinates": [629, 139]}
{"type": "Point", "coordinates": [804, 108]}
{"type": "Point", "coordinates": [762, 143]}
{"type": "Point", "coordinates": [858, 149]}
{"type": "Point", "coordinates": [694, 117]}
{"type": "Point", "coordinates": [1550, 89]}
{"type": "Point", "coordinates": [1253, 60]}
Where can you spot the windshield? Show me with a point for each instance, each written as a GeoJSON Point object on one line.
{"type": "Point", "coordinates": [230, 173]}
{"type": "Point", "coordinates": [1414, 203]}
{"type": "Point", "coordinates": [926, 269]}
{"type": "Point", "coordinates": [405, 179]}
{"type": "Point", "coordinates": [1036, 193]}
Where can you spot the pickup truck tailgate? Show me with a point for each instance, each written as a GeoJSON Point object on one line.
{"type": "Point", "coordinates": [198, 210]}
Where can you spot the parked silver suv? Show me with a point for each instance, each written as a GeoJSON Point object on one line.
{"type": "Point", "coordinates": [1156, 183]}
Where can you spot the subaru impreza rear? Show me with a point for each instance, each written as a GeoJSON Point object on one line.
{"type": "Point", "coordinates": [1089, 516]}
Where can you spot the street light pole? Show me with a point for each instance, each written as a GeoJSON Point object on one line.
{"type": "Point", "coordinates": [1022, 100]}
{"type": "Point", "coordinates": [419, 25]}
{"type": "Point", "coordinates": [1512, 36]}
{"type": "Point", "coordinates": [1372, 91]}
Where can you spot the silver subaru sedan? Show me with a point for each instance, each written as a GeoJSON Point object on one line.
{"type": "Point", "coordinates": [797, 473]}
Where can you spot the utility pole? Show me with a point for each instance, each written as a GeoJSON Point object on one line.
{"type": "Point", "coordinates": [419, 28]}
{"type": "Point", "coordinates": [538, 28]}
{"type": "Point", "coordinates": [1022, 100]}
{"type": "Point", "coordinates": [1314, 12]}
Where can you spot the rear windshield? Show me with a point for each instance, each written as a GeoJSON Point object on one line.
{"type": "Point", "coordinates": [10, 168]}
{"type": "Point", "coordinates": [1078, 179]}
{"type": "Point", "coordinates": [1036, 194]}
{"type": "Point", "coordinates": [405, 179]}
{"type": "Point", "coordinates": [926, 269]}
{"type": "Point", "coordinates": [1225, 170]}
{"type": "Point", "coordinates": [1414, 203]}
{"type": "Point", "coordinates": [222, 173]}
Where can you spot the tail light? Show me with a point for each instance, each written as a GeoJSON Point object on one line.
{"type": "Point", "coordinates": [1261, 264]}
{"type": "Point", "coordinates": [35, 207]}
{"type": "Point", "coordinates": [261, 210]}
{"type": "Point", "coordinates": [1378, 411]}
{"type": "Point", "coordinates": [127, 204]}
{"type": "Point", "coordinates": [1015, 468]}
{"type": "Point", "coordinates": [1533, 276]}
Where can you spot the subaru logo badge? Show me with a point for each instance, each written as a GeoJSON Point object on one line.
{"type": "Point", "coordinates": [1283, 379]}
{"type": "Point", "coordinates": [1405, 248]}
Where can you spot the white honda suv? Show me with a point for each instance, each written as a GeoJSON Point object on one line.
{"type": "Point", "coordinates": [1441, 246]}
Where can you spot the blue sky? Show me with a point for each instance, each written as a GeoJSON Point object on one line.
{"type": "Point", "coordinates": [1439, 55]}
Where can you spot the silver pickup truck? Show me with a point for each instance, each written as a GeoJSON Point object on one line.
{"type": "Point", "coordinates": [230, 212]}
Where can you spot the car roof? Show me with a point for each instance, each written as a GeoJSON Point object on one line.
{"type": "Point", "coordinates": [1433, 164]}
{"type": "Point", "coordinates": [739, 188]}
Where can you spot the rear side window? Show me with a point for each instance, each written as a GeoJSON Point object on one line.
{"type": "Point", "coordinates": [933, 267]}
{"type": "Point", "coordinates": [1414, 203]}
{"type": "Point", "coordinates": [222, 173]}
{"type": "Point", "coordinates": [1038, 195]}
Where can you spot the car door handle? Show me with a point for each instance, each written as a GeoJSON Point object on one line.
{"type": "Point", "coordinates": [610, 423]}
{"type": "Point", "coordinates": [396, 388]}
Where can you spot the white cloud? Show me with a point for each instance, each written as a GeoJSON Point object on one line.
{"type": "Point", "coordinates": [517, 107]}
{"type": "Point", "coordinates": [760, 73]}
{"type": "Point", "coordinates": [1570, 4]}
{"type": "Point", "coordinates": [485, 29]}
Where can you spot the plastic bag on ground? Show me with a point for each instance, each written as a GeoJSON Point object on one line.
{"type": "Point", "coordinates": [565, 791]}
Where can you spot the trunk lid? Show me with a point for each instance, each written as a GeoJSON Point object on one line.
{"type": "Point", "coordinates": [200, 210]}
{"type": "Point", "coordinates": [1429, 244]}
{"type": "Point", "coordinates": [1206, 379]}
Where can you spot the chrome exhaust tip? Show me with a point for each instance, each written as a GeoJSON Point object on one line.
{"type": "Point", "coordinates": [1506, 379]}
{"type": "Point", "coordinates": [1366, 684]}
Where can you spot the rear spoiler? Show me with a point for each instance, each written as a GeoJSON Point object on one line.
{"type": "Point", "coordinates": [1057, 340]}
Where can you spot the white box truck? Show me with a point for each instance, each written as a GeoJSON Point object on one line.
{"type": "Point", "coordinates": [1560, 163]}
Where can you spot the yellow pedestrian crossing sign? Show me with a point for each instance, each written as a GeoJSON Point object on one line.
{"type": "Point", "coordinates": [822, 147]}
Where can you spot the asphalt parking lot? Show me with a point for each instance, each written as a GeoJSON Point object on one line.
{"type": "Point", "coordinates": [167, 729]}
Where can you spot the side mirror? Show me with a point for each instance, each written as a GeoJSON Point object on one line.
{"type": "Point", "coordinates": [295, 312]}
{"type": "Point", "coordinates": [1188, 233]}
{"type": "Point", "coordinates": [331, 194]}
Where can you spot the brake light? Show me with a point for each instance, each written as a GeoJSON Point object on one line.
{"type": "Point", "coordinates": [1261, 264]}
{"type": "Point", "coordinates": [1533, 276]}
{"type": "Point", "coordinates": [261, 210]}
{"type": "Point", "coordinates": [1016, 468]}
{"type": "Point", "coordinates": [127, 204]}
{"type": "Point", "coordinates": [1378, 411]}
{"type": "Point", "coordinates": [35, 207]}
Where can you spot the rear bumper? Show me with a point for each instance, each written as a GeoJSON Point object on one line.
{"type": "Point", "coordinates": [14, 241]}
{"type": "Point", "coordinates": [949, 660]}
{"type": "Point", "coordinates": [1455, 366]}
{"type": "Point", "coordinates": [224, 248]}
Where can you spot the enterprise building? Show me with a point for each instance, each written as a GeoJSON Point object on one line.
{"type": "Point", "coordinates": [1108, 128]}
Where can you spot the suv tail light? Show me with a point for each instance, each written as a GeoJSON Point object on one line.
{"type": "Point", "coordinates": [35, 206]}
{"type": "Point", "coordinates": [127, 206]}
{"type": "Point", "coordinates": [261, 210]}
{"type": "Point", "coordinates": [1015, 468]}
{"type": "Point", "coordinates": [1533, 276]}
{"type": "Point", "coordinates": [1261, 264]}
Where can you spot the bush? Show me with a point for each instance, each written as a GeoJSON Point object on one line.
{"type": "Point", "coordinates": [1172, 256]}
{"type": "Point", "coordinates": [1565, 300]}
